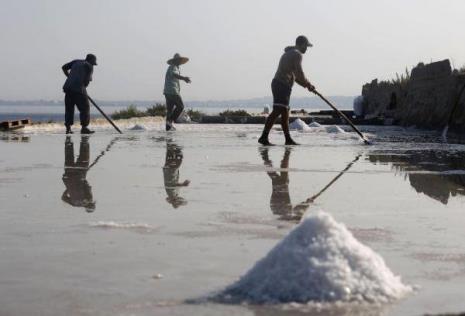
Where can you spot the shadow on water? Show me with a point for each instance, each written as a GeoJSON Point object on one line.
{"type": "Point", "coordinates": [280, 201]}
{"type": "Point", "coordinates": [78, 192]}
{"type": "Point", "coordinates": [173, 161]}
{"type": "Point", "coordinates": [438, 174]}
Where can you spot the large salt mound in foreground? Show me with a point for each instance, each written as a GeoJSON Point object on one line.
{"type": "Point", "coordinates": [318, 261]}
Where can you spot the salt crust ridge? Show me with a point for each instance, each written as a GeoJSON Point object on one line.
{"type": "Point", "coordinates": [123, 225]}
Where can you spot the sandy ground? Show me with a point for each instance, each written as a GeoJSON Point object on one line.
{"type": "Point", "coordinates": [96, 225]}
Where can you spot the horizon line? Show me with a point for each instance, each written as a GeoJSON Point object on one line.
{"type": "Point", "coordinates": [159, 100]}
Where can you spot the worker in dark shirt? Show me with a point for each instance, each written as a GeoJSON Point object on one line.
{"type": "Point", "coordinates": [289, 70]}
{"type": "Point", "coordinates": [79, 75]}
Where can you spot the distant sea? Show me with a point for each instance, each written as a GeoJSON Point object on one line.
{"type": "Point", "coordinates": [53, 111]}
{"type": "Point", "coordinates": [57, 113]}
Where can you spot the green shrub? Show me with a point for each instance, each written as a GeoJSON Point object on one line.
{"type": "Point", "coordinates": [229, 113]}
{"type": "Point", "coordinates": [195, 115]}
{"type": "Point", "coordinates": [130, 111]}
{"type": "Point", "coordinates": [156, 110]}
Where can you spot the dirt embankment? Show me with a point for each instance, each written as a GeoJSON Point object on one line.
{"type": "Point", "coordinates": [425, 98]}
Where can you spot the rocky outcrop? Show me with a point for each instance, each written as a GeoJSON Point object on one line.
{"type": "Point", "coordinates": [426, 98]}
{"type": "Point", "coordinates": [377, 97]}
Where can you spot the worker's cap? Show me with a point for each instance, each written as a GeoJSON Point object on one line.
{"type": "Point", "coordinates": [303, 40]}
{"type": "Point", "coordinates": [91, 59]}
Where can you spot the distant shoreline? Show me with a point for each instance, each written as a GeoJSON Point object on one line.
{"type": "Point", "coordinates": [306, 102]}
{"type": "Point", "coordinates": [54, 112]}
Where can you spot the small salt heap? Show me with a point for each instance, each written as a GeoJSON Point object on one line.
{"type": "Point", "coordinates": [314, 124]}
{"type": "Point", "coordinates": [138, 127]}
{"type": "Point", "coordinates": [184, 118]}
{"type": "Point", "coordinates": [334, 129]}
{"type": "Point", "coordinates": [299, 125]}
{"type": "Point", "coordinates": [318, 261]}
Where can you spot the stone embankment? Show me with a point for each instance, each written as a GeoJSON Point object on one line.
{"type": "Point", "coordinates": [425, 98]}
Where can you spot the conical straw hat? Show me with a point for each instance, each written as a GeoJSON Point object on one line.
{"type": "Point", "coordinates": [178, 59]}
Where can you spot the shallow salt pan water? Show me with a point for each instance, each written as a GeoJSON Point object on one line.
{"type": "Point", "coordinates": [147, 222]}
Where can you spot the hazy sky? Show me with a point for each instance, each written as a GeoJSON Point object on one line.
{"type": "Point", "coordinates": [234, 46]}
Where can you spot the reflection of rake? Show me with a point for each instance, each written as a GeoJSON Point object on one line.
{"type": "Point", "coordinates": [314, 197]}
{"type": "Point", "coordinates": [301, 208]}
{"type": "Point", "coordinates": [103, 152]}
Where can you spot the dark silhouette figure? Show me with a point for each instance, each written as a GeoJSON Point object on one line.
{"type": "Point", "coordinates": [78, 76]}
{"type": "Point", "coordinates": [173, 162]}
{"type": "Point", "coordinates": [172, 90]}
{"type": "Point", "coordinates": [78, 191]}
{"type": "Point", "coordinates": [289, 70]}
{"type": "Point", "coordinates": [280, 201]}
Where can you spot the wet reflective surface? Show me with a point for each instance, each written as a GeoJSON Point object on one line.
{"type": "Point", "coordinates": [136, 224]}
{"type": "Point", "coordinates": [439, 174]}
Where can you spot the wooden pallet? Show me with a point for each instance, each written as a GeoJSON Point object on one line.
{"type": "Point", "coordinates": [13, 125]}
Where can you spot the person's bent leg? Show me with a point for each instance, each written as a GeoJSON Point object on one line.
{"type": "Point", "coordinates": [169, 110]}
{"type": "Point", "coordinates": [285, 126]}
{"type": "Point", "coordinates": [268, 126]}
{"type": "Point", "coordinates": [179, 107]}
{"type": "Point", "coordinates": [69, 112]}
{"type": "Point", "coordinates": [281, 95]}
{"type": "Point", "coordinates": [83, 106]}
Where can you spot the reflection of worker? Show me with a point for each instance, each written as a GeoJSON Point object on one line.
{"type": "Point", "coordinates": [280, 201]}
{"type": "Point", "coordinates": [173, 161]}
{"type": "Point", "coordinates": [78, 191]}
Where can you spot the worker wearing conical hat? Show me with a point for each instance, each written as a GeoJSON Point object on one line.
{"type": "Point", "coordinates": [174, 104]}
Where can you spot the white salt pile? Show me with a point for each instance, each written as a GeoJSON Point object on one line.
{"type": "Point", "coordinates": [318, 261]}
{"type": "Point", "coordinates": [138, 127]}
{"type": "Point", "coordinates": [314, 124]}
{"type": "Point", "coordinates": [334, 129]}
{"type": "Point", "coordinates": [183, 118]}
{"type": "Point", "coordinates": [299, 125]}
